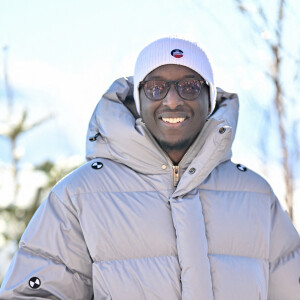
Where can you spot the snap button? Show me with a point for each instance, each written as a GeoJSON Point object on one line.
{"type": "Point", "coordinates": [192, 170]}
{"type": "Point", "coordinates": [222, 130]}
{"type": "Point", "coordinates": [34, 282]}
{"type": "Point", "coordinates": [163, 167]}
{"type": "Point", "coordinates": [97, 165]}
{"type": "Point", "coordinates": [241, 168]}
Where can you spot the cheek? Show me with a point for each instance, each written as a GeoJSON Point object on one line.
{"type": "Point", "coordinates": [143, 105]}
{"type": "Point", "coordinates": [201, 109]}
{"type": "Point", "coordinates": [144, 110]}
{"type": "Point", "coordinates": [147, 115]}
{"type": "Point", "coordinates": [148, 108]}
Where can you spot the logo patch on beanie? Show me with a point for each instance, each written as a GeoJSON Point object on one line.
{"type": "Point", "coordinates": [177, 53]}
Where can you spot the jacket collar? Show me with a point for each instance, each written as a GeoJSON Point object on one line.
{"type": "Point", "coordinates": [126, 140]}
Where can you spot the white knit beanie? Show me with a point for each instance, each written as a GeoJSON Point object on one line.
{"type": "Point", "coordinates": [173, 51]}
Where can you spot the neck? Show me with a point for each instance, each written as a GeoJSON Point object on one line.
{"type": "Point", "coordinates": [176, 154]}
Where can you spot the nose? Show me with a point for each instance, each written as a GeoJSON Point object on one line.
{"type": "Point", "coordinates": [172, 100]}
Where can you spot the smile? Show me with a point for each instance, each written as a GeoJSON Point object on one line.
{"type": "Point", "coordinates": [173, 120]}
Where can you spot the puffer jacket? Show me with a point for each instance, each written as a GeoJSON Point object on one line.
{"type": "Point", "coordinates": [128, 225]}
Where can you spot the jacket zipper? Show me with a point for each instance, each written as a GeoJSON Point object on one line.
{"type": "Point", "coordinates": [176, 169]}
{"type": "Point", "coordinates": [94, 138]}
{"type": "Point", "coordinates": [175, 175]}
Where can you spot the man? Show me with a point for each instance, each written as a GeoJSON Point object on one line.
{"type": "Point", "coordinates": [159, 211]}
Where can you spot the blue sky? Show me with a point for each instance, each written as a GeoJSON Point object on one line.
{"type": "Point", "coordinates": [63, 55]}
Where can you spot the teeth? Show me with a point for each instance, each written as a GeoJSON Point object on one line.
{"type": "Point", "coordinates": [173, 120]}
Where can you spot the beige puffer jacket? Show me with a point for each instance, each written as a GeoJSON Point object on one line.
{"type": "Point", "coordinates": [117, 228]}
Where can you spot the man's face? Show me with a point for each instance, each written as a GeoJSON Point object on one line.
{"type": "Point", "coordinates": [173, 121]}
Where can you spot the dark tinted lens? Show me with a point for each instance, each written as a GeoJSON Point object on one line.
{"type": "Point", "coordinates": [155, 89]}
{"type": "Point", "coordinates": [189, 88]}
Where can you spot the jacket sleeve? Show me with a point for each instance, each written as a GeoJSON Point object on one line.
{"type": "Point", "coordinates": [284, 281]}
{"type": "Point", "coordinates": [53, 260]}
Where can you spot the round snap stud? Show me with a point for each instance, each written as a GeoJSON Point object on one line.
{"type": "Point", "coordinates": [34, 282]}
{"type": "Point", "coordinates": [241, 168]}
{"type": "Point", "coordinates": [97, 165]}
{"type": "Point", "coordinates": [163, 167]}
{"type": "Point", "coordinates": [192, 171]}
{"type": "Point", "coordinates": [222, 130]}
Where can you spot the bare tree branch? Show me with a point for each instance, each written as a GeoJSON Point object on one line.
{"type": "Point", "coordinates": [280, 100]}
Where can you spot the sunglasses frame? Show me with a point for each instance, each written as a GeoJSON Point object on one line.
{"type": "Point", "coordinates": [168, 84]}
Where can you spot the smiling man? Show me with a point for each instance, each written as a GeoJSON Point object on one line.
{"type": "Point", "coordinates": [159, 211]}
{"type": "Point", "coordinates": [174, 116]}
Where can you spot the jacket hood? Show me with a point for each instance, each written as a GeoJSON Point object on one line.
{"type": "Point", "coordinates": [116, 134]}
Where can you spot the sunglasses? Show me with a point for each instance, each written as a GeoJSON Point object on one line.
{"type": "Point", "coordinates": [187, 88]}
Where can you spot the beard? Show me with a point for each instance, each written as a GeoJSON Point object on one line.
{"type": "Point", "coordinates": [178, 145]}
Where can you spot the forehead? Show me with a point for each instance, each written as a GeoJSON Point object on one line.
{"type": "Point", "coordinates": [172, 72]}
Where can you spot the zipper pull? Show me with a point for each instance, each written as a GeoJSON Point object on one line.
{"type": "Point", "coordinates": [175, 175]}
{"type": "Point", "coordinates": [94, 138]}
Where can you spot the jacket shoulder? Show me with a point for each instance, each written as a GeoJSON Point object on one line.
{"type": "Point", "coordinates": [97, 175]}
{"type": "Point", "coordinates": [229, 176]}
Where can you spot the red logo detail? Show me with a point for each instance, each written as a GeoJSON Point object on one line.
{"type": "Point", "coordinates": [177, 53]}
